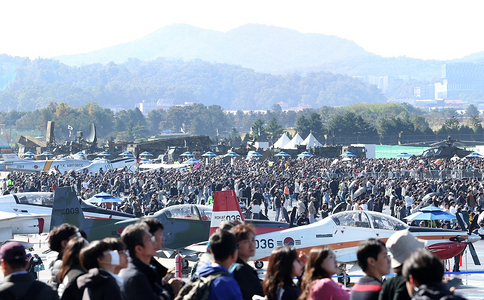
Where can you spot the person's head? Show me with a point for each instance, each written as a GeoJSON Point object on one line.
{"type": "Point", "coordinates": [223, 245]}
{"type": "Point", "coordinates": [321, 264]}
{"type": "Point", "coordinates": [401, 245]}
{"type": "Point", "coordinates": [245, 236]}
{"type": "Point", "coordinates": [139, 242]}
{"type": "Point", "coordinates": [156, 229]}
{"type": "Point", "coordinates": [60, 235]}
{"type": "Point", "coordinates": [373, 258]}
{"type": "Point", "coordinates": [422, 267]}
{"type": "Point", "coordinates": [13, 258]}
{"type": "Point", "coordinates": [70, 259]}
{"type": "Point", "coordinates": [120, 247]}
{"type": "Point", "coordinates": [284, 265]}
{"type": "Point", "coordinates": [93, 256]}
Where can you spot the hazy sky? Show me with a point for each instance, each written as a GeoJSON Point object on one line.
{"type": "Point", "coordinates": [427, 29]}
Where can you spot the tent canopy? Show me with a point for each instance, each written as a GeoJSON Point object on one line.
{"type": "Point", "coordinates": [282, 141]}
{"type": "Point", "coordinates": [311, 142]}
{"type": "Point", "coordinates": [296, 141]}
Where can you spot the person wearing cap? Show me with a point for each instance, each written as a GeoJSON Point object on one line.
{"type": "Point", "coordinates": [18, 282]}
{"type": "Point", "coordinates": [401, 246]}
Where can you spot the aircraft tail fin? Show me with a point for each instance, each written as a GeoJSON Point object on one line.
{"type": "Point", "coordinates": [66, 208]}
{"type": "Point", "coordinates": [8, 154]}
{"type": "Point", "coordinates": [225, 208]}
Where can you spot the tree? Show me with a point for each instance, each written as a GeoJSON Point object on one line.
{"type": "Point", "coordinates": [316, 125]}
{"type": "Point", "coordinates": [302, 126]}
{"type": "Point", "coordinates": [273, 130]}
{"type": "Point", "coordinates": [257, 130]}
{"type": "Point", "coordinates": [471, 110]}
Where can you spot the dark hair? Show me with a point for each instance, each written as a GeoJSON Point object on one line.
{"type": "Point", "coordinates": [153, 223]}
{"type": "Point", "coordinates": [279, 270]}
{"type": "Point", "coordinates": [242, 231]}
{"type": "Point", "coordinates": [17, 264]}
{"type": "Point", "coordinates": [313, 270]}
{"type": "Point", "coordinates": [369, 248]}
{"type": "Point", "coordinates": [59, 234]}
{"type": "Point", "coordinates": [424, 267]}
{"type": "Point", "coordinates": [70, 258]}
{"type": "Point", "coordinates": [133, 236]}
{"type": "Point", "coordinates": [223, 243]}
{"type": "Point", "coordinates": [115, 244]}
{"type": "Point", "coordinates": [91, 253]}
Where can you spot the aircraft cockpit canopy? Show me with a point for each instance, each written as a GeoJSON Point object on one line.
{"type": "Point", "coordinates": [366, 219]}
{"type": "Point", "coordinates": [188, 212]}
{"type": "Point", "coordinates": [45, 199]}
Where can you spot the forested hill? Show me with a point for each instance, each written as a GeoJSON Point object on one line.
{"type": "Point", "coordinates": [33, 84]}
{"type": "Point", "coordinates": [262, 48]}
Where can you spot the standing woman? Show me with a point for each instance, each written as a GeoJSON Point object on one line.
{"type": "Point", "coordinates": [70, 270]}
{"type": "Point", "coordinates": [317, 282]}
{"type": "Point", "coordinates": [284, 265]}
{"type": "Point", "coordinates": [244, 274]}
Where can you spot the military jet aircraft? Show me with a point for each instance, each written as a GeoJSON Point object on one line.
{"type": "Point", "coordinates": [30, 213]}
{"type": "Point", "coordinates": [57, 165]}
{"type": "Point", "coordinates": [130, 163]}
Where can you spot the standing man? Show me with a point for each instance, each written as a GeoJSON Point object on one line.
{"type": "Point", "coordinates": [139, 278]}
{"type": "Point", "coordinates": [18, 282]}
{"type": "Point", "coordinates": [374, 261]}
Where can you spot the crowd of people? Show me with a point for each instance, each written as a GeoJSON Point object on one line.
{"type": "Point", "coordinates": [127, 269]}
{"type": "Point", "coordinates": [315, 186]}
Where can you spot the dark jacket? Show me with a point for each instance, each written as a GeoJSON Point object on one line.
{"type": "Point", "coordinates": [394, 289]}
{"type": "Point", "coordinates": [99, 285]}
{"type": "Point", "coordinates": [247, 279]}
{"type": "Point", "coordinates": [161, 272]}
{"type": "Point", "coordinates": [222, 287]}
{"type": "Point", "coordinates": [71, 290]}
{"type": "Point", "coordinates": [435, 291]}
{"type": "Point", "coordinates": [139, 282]}
{"type": "Point", "coordinates": [18, 285]}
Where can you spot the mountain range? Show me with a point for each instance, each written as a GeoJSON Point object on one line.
{"type": "Point", "coordinates": [266, 49]}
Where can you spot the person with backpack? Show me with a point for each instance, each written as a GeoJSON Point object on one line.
{"type": "Point", "coordinates": [18, 283]}
{"type": "Point", "coordinates": [214, 282]}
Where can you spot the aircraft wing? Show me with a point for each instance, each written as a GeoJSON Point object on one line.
{"type": "Point", "coordinates": [7, 217]}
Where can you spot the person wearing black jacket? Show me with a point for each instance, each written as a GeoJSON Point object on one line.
{"type": "Point", "coordinates": [244, 274]}
{"type": "Point", "coordinates": [139, 278]}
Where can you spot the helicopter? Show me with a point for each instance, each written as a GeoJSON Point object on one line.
{"type": "Point", "coordinates": [445, 149]}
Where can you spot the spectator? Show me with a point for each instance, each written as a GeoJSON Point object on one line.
{"type": "Point", "coordinates": [139, 279]}
{"type": "Point", "coordinates": [423, 272]}
{"type": "Point", "coordinates": [317, 282]}
{"type": "Point", "coordinates": [401, 246]}
{"type": "Point", "coordinates": [71, 269]}
{"type": "Point", "coordinates": [100, 282]}
{"type": "Point", "coordinates": [284, 265]}
{"type": "Point", "coordinates": [374, 262]}
{"type": "Point", "coordinates": [244, 274]}
{"type": "Point", "coordinates": [18, 283]}
{"type": "Point", "coordinates": [223, 245]}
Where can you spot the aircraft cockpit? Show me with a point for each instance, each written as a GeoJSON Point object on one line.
{"type": "Point", "coordinates": [367, 219]}
{"type": "Point", "coordinates": [188, 212]}
{"type": "Point", "coordinates": [43, 199]}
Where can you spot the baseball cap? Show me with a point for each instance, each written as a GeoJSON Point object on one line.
{"type": "Point", "coordinates": [402, 245]}
{"type": "Point", "coordinates": [12, 251]}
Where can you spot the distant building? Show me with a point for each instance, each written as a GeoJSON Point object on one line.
{"type": "Point", "coordinates": [424, 92]}
{"type": "Point", "coordinates": [460, 78]}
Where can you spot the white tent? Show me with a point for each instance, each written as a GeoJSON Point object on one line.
{"type": "Point", "coordinates": [311, 142]}
{"type": "Point", "coordinates": [282, 141]}
{"type": "Point", "coordinates": [296, 140]}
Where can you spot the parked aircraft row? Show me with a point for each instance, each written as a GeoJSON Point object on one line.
{"type": "Point", "coordinates": [186, 225]}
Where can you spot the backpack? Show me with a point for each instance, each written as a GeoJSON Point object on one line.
{"type": "Point", "coordinates": [199, 288]}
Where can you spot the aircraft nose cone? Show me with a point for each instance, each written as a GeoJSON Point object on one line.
{"type": "Point", "coordinates": [472, 238]}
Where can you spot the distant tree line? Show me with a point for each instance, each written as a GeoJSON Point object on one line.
{"type": "Point", "coordinates": [326, 124]}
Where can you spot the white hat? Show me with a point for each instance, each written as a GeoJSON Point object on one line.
{"type": "Point", "coordinates": [402, 245]}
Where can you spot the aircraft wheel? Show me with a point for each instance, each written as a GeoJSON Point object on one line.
{"type": "Point", "coordinates": [342, 280]}
{"type": "Point", "coordinates": [185, 264]}
{"type": "Point", "coordinates": [258, 265]}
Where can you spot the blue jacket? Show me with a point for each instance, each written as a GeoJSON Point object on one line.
{"type": "Point", "coordinates": [222, 287]}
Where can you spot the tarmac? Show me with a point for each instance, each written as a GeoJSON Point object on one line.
{"type": "Point", "coordinates": [472, 276]}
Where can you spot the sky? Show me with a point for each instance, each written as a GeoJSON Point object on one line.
{"type": "Point", "coordinates": [426, 29]}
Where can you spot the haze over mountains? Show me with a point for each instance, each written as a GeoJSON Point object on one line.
{"type": "Point", "coordinates": [264, 49]}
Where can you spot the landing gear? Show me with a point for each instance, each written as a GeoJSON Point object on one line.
{"type": "Point", "coordinates": [258, 264]}
{"type": "Point", "coordinates": [185, 264]}
{"type": "Point", "coordinates": [345, 279]}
